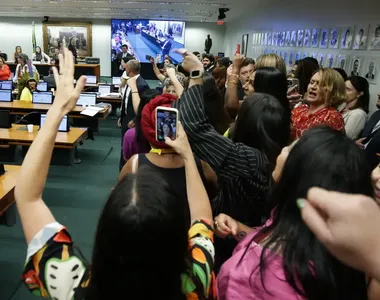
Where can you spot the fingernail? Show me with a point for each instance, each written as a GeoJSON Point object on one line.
{"type": "Point", "coordinates": [300, 203]}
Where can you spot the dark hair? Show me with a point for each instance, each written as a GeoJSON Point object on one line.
{"type": "Point", "coordinates": [141, 212]}
{"type": "Point", "coordinates": [196, 53]}
{"type": "Point", "coordinates": [180, 69]}
{"type": "Point", "coordinates": [263, 123]}
{"type": "Point", "coordinates": [145, 98]}
{"type": "Point", "coordinates": [126, 59]}
{"type": "Point", "coordinates": [272, 81]}
{"type": "Point", "coordinates": [248, 61]}
{"type": "Point", "coordinates": [342, 72]}
{"type": "Point", "coordinates": [124, 45]}
{"type": "Point", "coordinates": [306, 69]}
{"type": "Point", "coordinates": [209, 56]}
{"type": "Point", "coordinates": [325, 158]}
{"type": "Point", "coordinates": [214, 105]}
{"type": "Point", "coordinates": [224, 62]}
{"type": "Point", "coordinates": [361, 85]}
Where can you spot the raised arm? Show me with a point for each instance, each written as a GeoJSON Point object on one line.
{"type": "Point", "coordinates": [173, 78]}
{"type": "Point", "coordinates": [225, 157]}
{"type": "Point", "coordinates": [34, 214]}
{"type": "Point", "coordinates": [47, 58]}
{"type": "Point", "coordinates": [156, 71]}
{"type": "Point", "coordinates": [135, 93]}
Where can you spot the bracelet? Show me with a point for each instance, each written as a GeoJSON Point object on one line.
{"type": "Point", "coordinates": [135, 92]}
{"type": "Point", "coordinates": [237, 76]}
{"type": "Point", "coordinates": [233, 81]}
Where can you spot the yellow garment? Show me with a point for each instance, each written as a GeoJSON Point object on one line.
{"type": "Point", "coordinates": [26, 95]}
{"type": "Point", "coordinates": [227, 133]}
{"type": "Point", "coordinates": [161, 151]}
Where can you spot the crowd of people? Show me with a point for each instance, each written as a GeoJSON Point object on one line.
{"type": "Point", "coordinates": [267, 191]}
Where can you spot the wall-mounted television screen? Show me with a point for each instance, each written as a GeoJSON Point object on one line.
{"type": "Point", "coordinates": [148, 38]}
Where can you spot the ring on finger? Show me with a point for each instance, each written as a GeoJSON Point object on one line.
{"type": "Point", "coordinates": [216, 223]}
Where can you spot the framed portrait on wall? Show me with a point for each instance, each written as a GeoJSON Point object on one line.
{"type": "Point", "coordinates": [285, 56]}
{"type": "Point", "coordinates": [321, 60]}
{"type": "Point", "coordinates": [315, 38]}
{"type": "Point", "coordinates": [356, 65]}
{"type": "Point", "coordinates": [307, 40]}
{"type": "Point", "coordinates": [343, 62]}
{"type": "Point", "coordinates": [274, 38]}
{"type": "Point", "coordinates": [360, 41]}
{"type": "Point", "coordinates": [78, 35]}
{"type": "Point", "coordinates": [304, 55]}
{"type": "Point", "coordinates": [269, 38]}
{"type": "Point", "coordinates": [287, 39]}
{"type": "Point", "coordinates": [334, 38]}
{"type": "Point", "coordinates": [244, 44]}
{"type": "Point", "coordinates": [291, 58]}
{"type": "Point", "coordinates": [371, 69]}
{"type": "Point", "coordinates": [293, 38]}
{"type": "Point", "coordinates": [281, 39]}
{"type": "Point", "coordinates": [347, 38]}
{"type": "Point", "coordinates": [330, 60]}
{"type": "Point", "coordinates": [298, 56]}
{"type": "Point", "coordinates": [324, 38]}
{"type": "Point", "coordinates": [375, 41]}
{"type": "Point", "coordinates": [300, 38]}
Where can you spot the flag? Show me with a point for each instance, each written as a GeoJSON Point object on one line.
{"type": "Point", "coordinates": [34, 43]}
{"type": "Point", "coordinates": [31, 74]}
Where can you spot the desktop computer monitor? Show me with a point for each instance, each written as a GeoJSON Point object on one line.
{"type": "Point", "coordinates": [6, 85]}
{"type": "Point", "coordinates": [42, 98]}
{"type": "Point", "coordinates": [87, 99]}
{"type": "Point", "coordinates": [42, 87]}
{"type": "Point", "coordinates": [104, 89]}
{"type": "Point", "coordinates": [63, 126]}
{"type": "Point", "coordinates": [91, 79]}
{"type": "Point", "coordinates": [5, 96]}
{"type": "Point", "coordinates": [116, 80]}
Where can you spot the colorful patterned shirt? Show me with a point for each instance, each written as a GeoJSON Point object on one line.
{"type": "Point", "coordinates": [301, 121]}
{"type": "Point", "coordinates": [53, 270]}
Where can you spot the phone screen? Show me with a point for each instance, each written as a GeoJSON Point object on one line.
{"type": "Point", "coordinates": [148, 57]}
{"type": "Point", "coordinates": [293, 84]}
{"type": "Point", "coordinates": [238, 49]}
{"type": "Point", "coordinates": [166, 124]}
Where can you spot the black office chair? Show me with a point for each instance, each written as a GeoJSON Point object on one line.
{"type": "Point", "coordinates": [31, 118]}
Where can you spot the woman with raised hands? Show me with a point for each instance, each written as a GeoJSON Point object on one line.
{"type": "Point", "coordinates": [243, 163]}
{"type": "Point", "coordinates": [141, 213]}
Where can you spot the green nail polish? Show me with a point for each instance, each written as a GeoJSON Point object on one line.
{"type": "Point", "coordinates": [300, 203]}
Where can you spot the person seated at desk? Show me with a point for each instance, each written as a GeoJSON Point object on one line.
{"type": "Point", "coordinates": [27, 92]}
{"type": "Point", "coordinates": [23, 67]}
{"type": "Point", "coordinates": [50, 79]}
{"type": "Point", "coordinates": [5, 73]}
{"type": "Point", "coordinates": [40, 56]}
{"type": "Point", "coordinates": [16, 54]}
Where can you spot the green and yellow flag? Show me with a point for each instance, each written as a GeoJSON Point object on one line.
{"type": "Point", "coordinates": [34, 43]}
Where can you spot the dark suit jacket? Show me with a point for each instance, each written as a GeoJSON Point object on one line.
{"type": "Point", "coordinates": [166, 47]}
{"type": "Point", "coordinates": [374, 145]}
{"type": "Point", "coordinates": [119, 57]}
{"type": "Point", "coordinates": [142, 86]}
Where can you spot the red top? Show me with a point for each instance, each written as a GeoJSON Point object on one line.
{"type": "Point", "coordinates": [301, 121]}
{"type": "Point", "coordinates": [5, 73]}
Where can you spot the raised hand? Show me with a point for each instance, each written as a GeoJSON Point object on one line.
{"type": "Point", "coordinates": [225, 225]}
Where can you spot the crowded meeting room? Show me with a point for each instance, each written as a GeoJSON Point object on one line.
{"type": "Point", "coordinates": [246, 133]}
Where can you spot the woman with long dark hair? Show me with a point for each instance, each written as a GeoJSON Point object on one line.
{"type": "Point", "coordinates": [40, 56]}
{"type": "Point", "coordinates": [284, 259]}
{"type": "Point", "coordinates": [356, 110]}
{"type": "Point", "coordinates": [142, 214]}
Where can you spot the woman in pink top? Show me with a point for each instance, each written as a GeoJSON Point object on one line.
{"type": "Point", "coordinates": [284, 260]}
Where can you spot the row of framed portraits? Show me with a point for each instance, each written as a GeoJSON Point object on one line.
{"type": "Point", "coordinates": [354, 65]}
{"type": "Point", "coordinates": [357, 38]}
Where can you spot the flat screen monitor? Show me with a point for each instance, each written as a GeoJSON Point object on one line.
{"type": "Point", "coordinates": [87, 99]}
{"type": "Point", "coordinates": [104, 89]}
{"type": "Point", "coordinates": [42, 87]}
{"type": "Point", "coordinates": [148, 38]}
{"type": "Point", "coordinates": [6, 85]}
{"type": "Point", "coordinates": [42, 98]}
{"type": "Point", "coordinates": [63, 126]}
{"type": "Point", "coordinates": [91, 79]}
{"type": "Point", "coordinates": [116, 80]}
{"type": "Point", "coordinates": [5, 95]}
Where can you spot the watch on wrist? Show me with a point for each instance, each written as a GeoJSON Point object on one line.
{"type": "Point", "coordinates": [196, 74]}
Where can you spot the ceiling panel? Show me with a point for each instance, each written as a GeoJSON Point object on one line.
{"type": "Point", "coordinates": [192, 10]}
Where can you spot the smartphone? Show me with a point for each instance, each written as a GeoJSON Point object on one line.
{"type": "Point", "coordinates": [148, 57]}
{"type": "Point", "coordinates": [293, 85]}
{"type": "Point", "coordinates": [238, 49]}
{"type": "Point", "coordinates": [159, 57]}
{"type": "Point", "coordinates": [166, 123]}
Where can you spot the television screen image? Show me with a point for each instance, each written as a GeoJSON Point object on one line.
{"type": "Point", "coordinates": [148, 38]}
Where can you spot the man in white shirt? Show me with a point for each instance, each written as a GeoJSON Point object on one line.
{"type": "Point", "coordinates": [123, 54]}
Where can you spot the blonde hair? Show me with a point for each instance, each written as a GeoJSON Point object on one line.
{"type": "Point", "coordinates": [271, 60]}
{"type": "Point", "coordinates": [333, 87]}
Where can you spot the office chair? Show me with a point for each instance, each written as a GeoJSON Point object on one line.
{"type": "Point", "coordinates": [31, 118]}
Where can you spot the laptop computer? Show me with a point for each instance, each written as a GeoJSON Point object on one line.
{"type": "Point", "coordinates": [104, 89]}
{"type": "Point", "coordinates": [116, 81]}
{"type": "Point", "coordinates": [42, 87]}
{"type": "Point", "coordinates": [87, 99]}
{"type": "Point", "coordinates": [6, 85]}
{"type": "Point", "coordinates": [42, 98]}
{"type": "Point", "coordinates": [6, 96]}
{"type": "Point", "coordinates": [91, 80]}
{"type": "Point", "coordinates": [63, 126]}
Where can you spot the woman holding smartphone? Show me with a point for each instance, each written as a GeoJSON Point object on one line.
{"type": "Point", "coordinates": [140, 213]}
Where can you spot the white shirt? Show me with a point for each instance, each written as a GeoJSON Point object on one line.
{"type": "Point", "coordinates": [128, 92]}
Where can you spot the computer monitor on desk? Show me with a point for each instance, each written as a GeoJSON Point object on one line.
{"type": "Point", "coordinates": [6, 85]}
{"type": "Point", "coordinates": [5, 96]}
{"type": "Point", "coordinates": [63, 126]}
{"type": "Point", "coordinates": [91, 80]}
{"type": "Point", "coordinates": [42, 98]}
{"type": "Point", "coordinates": [42, 87]}
{"type": "Point", "coordinates": [87, 99]}
{"type": "Point", "coordinates": [116, 81]}
{"type": "Point", "coordinates": [104, 89]}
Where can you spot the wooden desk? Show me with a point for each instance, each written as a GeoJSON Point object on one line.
{"type": "Point", "coordinates": [110, 99]}
{"type": "Point", "coordinates": [22, 108]}
{"type": "Point", "coordinates": [7, 186]}
{"type": "Point", "coordinates": [64, 146]}
{"type": "Point", "coordinates": [80, 69]}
